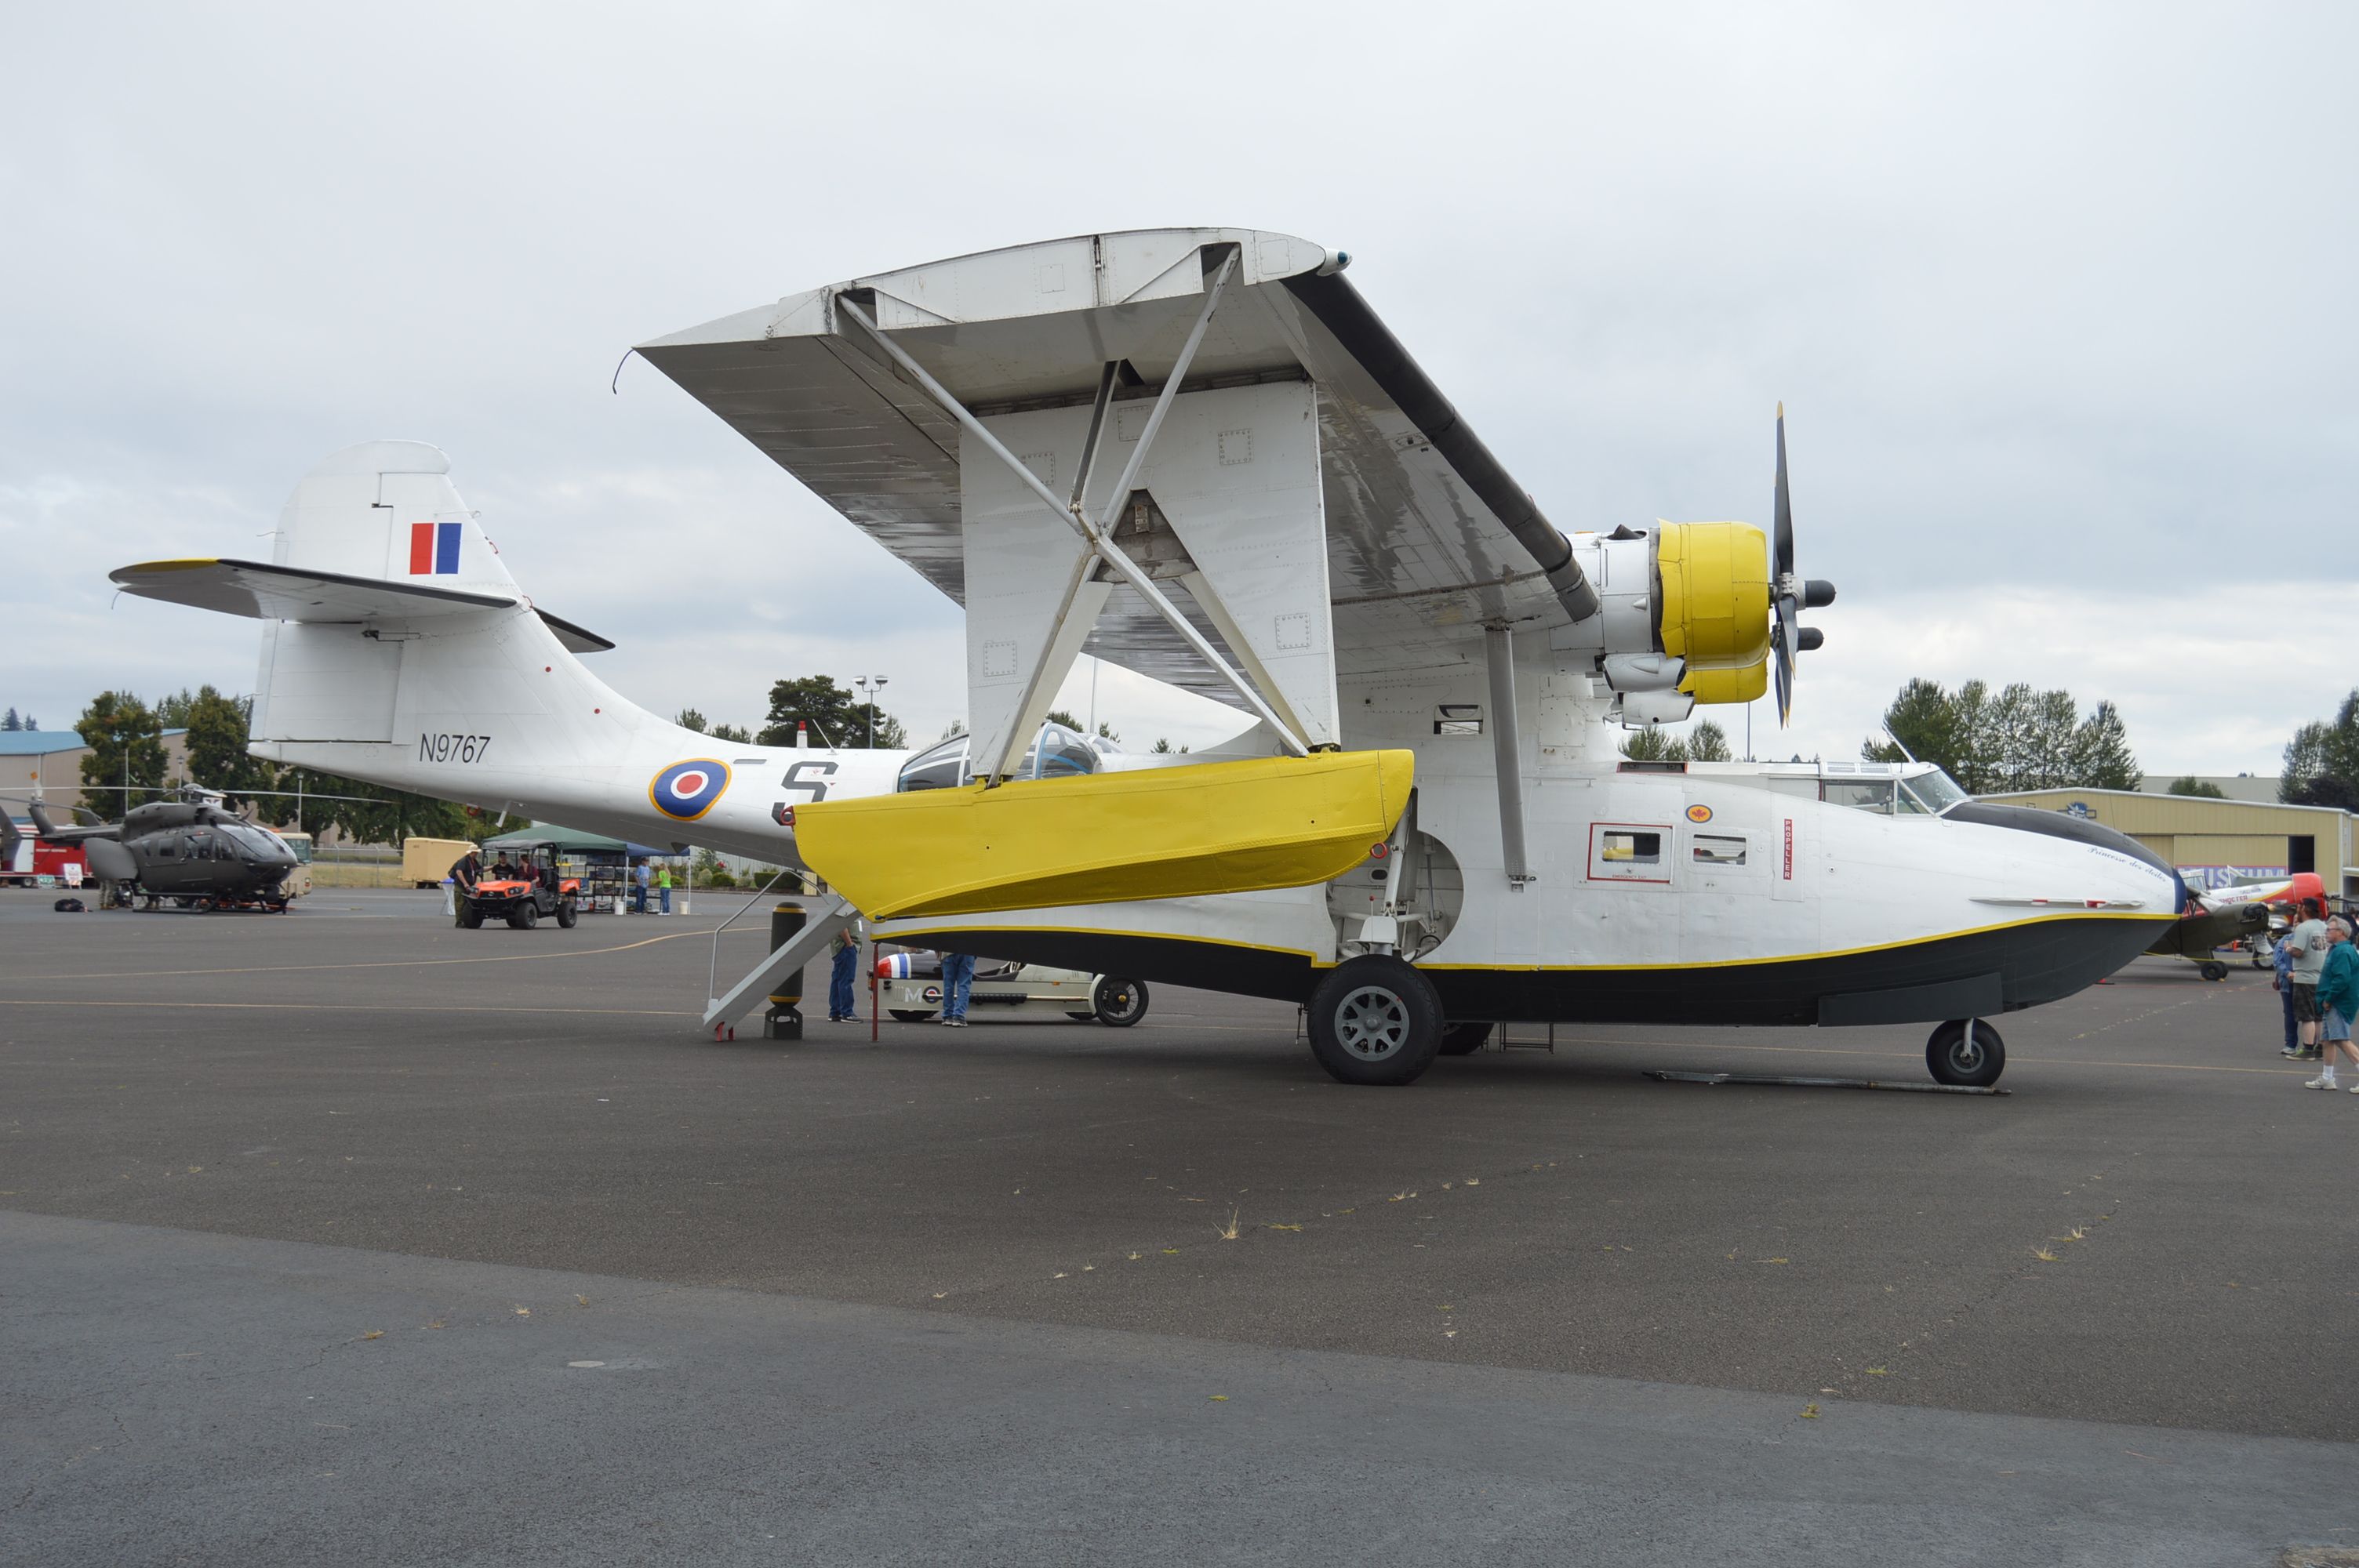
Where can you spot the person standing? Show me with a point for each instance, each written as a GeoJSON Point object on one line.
{"type": "Point", "coordinates": [2338, 1002]}
{"type": "Point", "coordinates": [2310, 944]}
{"type": "Point", "coordinates": [663, 885]}
{"type": "Point", "coordinates": [958, 980]}
{"type": "Point", "coordinates": [2281, 960]}
{"type": "Point", "coordinates": [840, 1007]}
{"type": "Point", "coordinates": [639, 880]}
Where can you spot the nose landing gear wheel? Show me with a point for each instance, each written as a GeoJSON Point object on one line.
{"type": "Point", "coordinates": [1375, 1020]}
{"type": "Point", "coordinates": [1961, 1062]}
{"type": "Point", "coordinates": [2213, 970]}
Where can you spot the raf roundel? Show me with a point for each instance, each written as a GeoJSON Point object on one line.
{"type": "Point", "coordinates": [686, 791]}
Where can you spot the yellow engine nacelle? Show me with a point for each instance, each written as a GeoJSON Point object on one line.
{"type": "Point", "coordinates": [1712, 607]}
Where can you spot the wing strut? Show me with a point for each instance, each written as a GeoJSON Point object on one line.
{"type": "Point", "coordinates": [1506, 748]}
{"type": "Point", "coordinates": [1093, 530]}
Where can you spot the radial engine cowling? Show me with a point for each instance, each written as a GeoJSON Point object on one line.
{"type": "Point", "coordinates": [1688, 609]}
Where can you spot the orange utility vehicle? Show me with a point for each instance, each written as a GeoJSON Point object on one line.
{"type": "Point", "coordinates": [536, 887]}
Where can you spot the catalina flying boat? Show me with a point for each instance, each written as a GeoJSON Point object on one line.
{"type": "Point", "coordinates": [1199, 453]}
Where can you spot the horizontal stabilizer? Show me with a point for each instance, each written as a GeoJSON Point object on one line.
{"type": "Point", "coordinates": [1204, 828]}
{"type": "Point", "coordinates": [264, 592]}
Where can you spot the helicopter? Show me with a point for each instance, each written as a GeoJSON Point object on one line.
{"type": "Point", "coordinates": [191, 849]}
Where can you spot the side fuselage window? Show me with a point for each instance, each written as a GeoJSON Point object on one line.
{"type": "Point", "coordinates": [1718, 849]}
{"type": "Point", "coordinates": [1628, 853]}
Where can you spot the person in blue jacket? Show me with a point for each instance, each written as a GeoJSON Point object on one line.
{"type": "Point", "coordinates": [2338, 1002]}
{"type": "Point", "coordinates": [2281, 960]}
{"type": "Point", "coordinates": [841, 1006]}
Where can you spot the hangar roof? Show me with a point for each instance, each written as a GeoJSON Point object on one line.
{"type": "Point", "coordinates": [38, 742]}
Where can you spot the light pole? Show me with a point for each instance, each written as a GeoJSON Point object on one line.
{"type": "Point", "coordinates": [866, 685]}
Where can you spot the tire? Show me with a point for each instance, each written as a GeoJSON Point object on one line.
{"type": "Point", "coordinates": [1118, 1005]}
{"type": "Point", "coordinates": [907, 1014]}
{"type": "Point", "coordinates": [1082, 1017]}
{"type": "Point", "coordinates": [1375, 1020]}
{"type": "Point", "coordinates": [566, 915]}
{"type": "Point", "coordinates": [1464, 1039]}
{"type": "Point", "coordinates": [525, 917]}
{"type": "Point", "coordinates": [1947, 1059]}
{"type": "Point", "coordinates": [2213, 970]}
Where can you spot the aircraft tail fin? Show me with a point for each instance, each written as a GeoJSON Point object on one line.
{"type": "Point", "coordinates": [384, 595]}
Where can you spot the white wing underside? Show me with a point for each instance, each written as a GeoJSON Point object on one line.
{"type": "Point", "coordinates": [1419, 555]}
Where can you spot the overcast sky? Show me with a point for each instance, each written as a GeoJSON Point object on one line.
{"type": "Point", "coordinates": [2060, 300]}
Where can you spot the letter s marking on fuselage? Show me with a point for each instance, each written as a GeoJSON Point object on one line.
{"type": "Point", "coordinates": [818, 785]}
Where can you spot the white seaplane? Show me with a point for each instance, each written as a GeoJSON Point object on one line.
{"type": "Point", "coordinates": [1198, 453]}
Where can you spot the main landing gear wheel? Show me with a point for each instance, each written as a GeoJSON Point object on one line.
{"type": "Point", "coordinates": [1464, 1039]}
{"type": "Point", "coordinates": [566, 915]}
{"type": "Point", "coordinates": [1960, 1064]}
{"type": "Point", "coordinates": [1118, 1005]}
{"type": "Point", "coordinates": [2214, 970]}
{"type": "Point", "coordinates": [1375, 1020]}
{"type": "Point", "coordinates": [907, 1014]}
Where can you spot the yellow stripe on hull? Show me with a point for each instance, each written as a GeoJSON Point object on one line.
{"type": "Point", "coordinates": [1210, 828]}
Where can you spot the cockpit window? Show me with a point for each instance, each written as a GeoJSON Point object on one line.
{"type": "Point", "coordinates": [1865, 794]}
{"type": "Point", "coordinates": [1056, 752]}
{"type": "Point", "coordinates": [937, 767]}
{"type": "Point", "coordinates": [1059, 753]}
{"type": "Point", "coordinates": [1937, 790]}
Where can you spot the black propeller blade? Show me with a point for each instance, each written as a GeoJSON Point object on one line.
{"type": "Point", "coordinates": [1787, 637]}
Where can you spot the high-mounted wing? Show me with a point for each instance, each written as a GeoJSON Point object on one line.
{"type": "Point", "coordinates": [1424, 529]}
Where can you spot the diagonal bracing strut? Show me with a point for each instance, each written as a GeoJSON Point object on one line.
{"type": "Point", "coordinates": [1093, 530]}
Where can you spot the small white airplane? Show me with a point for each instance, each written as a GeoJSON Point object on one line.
{"type": "Point", "coordinates": [1198, 453]}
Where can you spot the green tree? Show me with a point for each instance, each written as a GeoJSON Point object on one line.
{"type": "Point", "coordinates": [2321, 762]}
{"type": "Point", "coordinates": [1105, 732]}
{"type": "Point", "coordinates": [126, 745]}
{"type": "Point", "coordinates": [871, 725]}
{"type": "Point", "coordinates": [1654, 745]}
{"type": "Point", "coordinates": [689, 719]}
{"type": "Point", "coordinates": [736, 732]}
{"type": "Point", "coordinates": [1708, 743]}
{"type": "Point", "coordinates": [373, 813]}
{"type": "Point", "coordinates": [12, 722]}
{"type": "Point", "coordinates": [2202, 788]}
{"type": "Point", "coordinates": [2101, 751]}
{"type": "Point", "coordinates": [835, 717]}
{"type": "Point", "coordinates": [2019, 740]}
{"type": "Point", "coordinates": [217, 727]}
{"type": "Point", "coordinates": [1058, 716]}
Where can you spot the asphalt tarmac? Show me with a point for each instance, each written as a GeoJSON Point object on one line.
{"type": "Point", "coordinates": [346, 1234]}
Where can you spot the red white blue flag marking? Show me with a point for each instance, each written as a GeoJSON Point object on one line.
{"type": "Point", "coordinates": [434, 549]}
{"type": "Point", "coordinates": [686, 791]}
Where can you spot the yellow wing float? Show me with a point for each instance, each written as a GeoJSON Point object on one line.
{"type": "Point", "coordinates": [1210, 828]}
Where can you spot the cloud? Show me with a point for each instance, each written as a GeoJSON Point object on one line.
{"type": "Point", "coordinates": [2057, 298]}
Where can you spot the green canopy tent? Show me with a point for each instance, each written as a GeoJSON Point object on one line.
{"type": "Point", "coordinates": [573, 841]}
{"type": "Point", "coordinates": [605, 861]}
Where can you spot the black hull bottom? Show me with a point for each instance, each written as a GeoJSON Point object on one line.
{"type": "Point", "coordinates": [1972, 974]}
